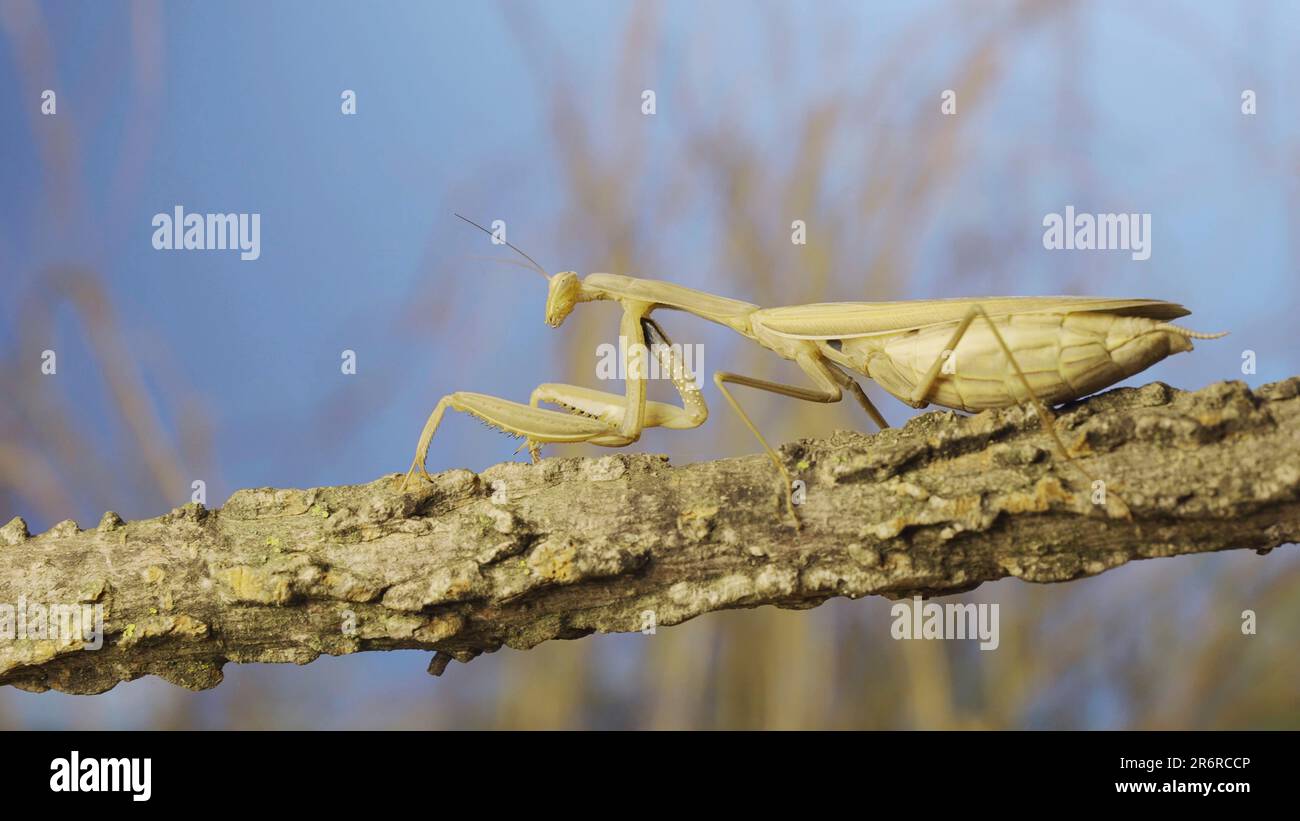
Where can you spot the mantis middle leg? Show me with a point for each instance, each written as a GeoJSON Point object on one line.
{"type": "Point", "coordinates": [829, 380]}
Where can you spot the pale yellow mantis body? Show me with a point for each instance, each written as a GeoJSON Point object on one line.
{"type": "Point", "coordinates": [1028, 349]}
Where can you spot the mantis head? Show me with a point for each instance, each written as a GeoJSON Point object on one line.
{"type": "Point", "coordinates": [562, 294]}
{"type": "Point", "coordinates": [563, 289]}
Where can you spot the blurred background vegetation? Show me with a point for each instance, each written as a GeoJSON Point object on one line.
{"type": "Point", "coordinates": [175, 367]}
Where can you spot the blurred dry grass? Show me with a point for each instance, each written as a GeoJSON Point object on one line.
{"type": "Point", "coordinates": [868, 170]}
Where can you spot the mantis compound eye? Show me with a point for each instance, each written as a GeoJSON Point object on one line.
{"type": "Point", "coordinates": [562, 296]}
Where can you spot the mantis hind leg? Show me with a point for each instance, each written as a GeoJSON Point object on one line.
{"type": "Point", "coordinates": [1045, 415]}
{"type": "Point", "coordinates": [827, 390]}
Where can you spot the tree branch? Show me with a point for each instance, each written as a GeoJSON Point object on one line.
{"type": "Point", "coordinates": [521, 554]}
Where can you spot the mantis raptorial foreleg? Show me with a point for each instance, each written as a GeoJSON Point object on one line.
{"type": "Point", "coordinates": [611, 408]}
{"type": "Point", "coordinates": [512, 418]}
{"type": "Point", "coordinates": [538, 425]}
{"type": "Point", "coordinates": [598, 417]}
{"type": "Point", "coordinates": [1048, 419]}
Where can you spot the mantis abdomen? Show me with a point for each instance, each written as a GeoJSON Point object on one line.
{"type": "Point", "coordinates": [1064, 356]}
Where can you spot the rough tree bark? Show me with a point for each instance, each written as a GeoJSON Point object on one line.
{"type": "Point", "coordinates": [521, 554]}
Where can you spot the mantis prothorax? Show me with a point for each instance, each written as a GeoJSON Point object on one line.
{"type": "Point", "coordinates": [1041, 350]}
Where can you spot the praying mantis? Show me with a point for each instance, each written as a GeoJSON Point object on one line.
{"type": "Point", "coordinates": [1039, 350]}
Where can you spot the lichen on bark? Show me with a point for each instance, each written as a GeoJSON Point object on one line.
{"type": "Point", "coordinates": [522, 553]}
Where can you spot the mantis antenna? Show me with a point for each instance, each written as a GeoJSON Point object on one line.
{"type": "Point", "coordinates": [499, 260]}
{"type": "Point", "coordinates": [537, 267]}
